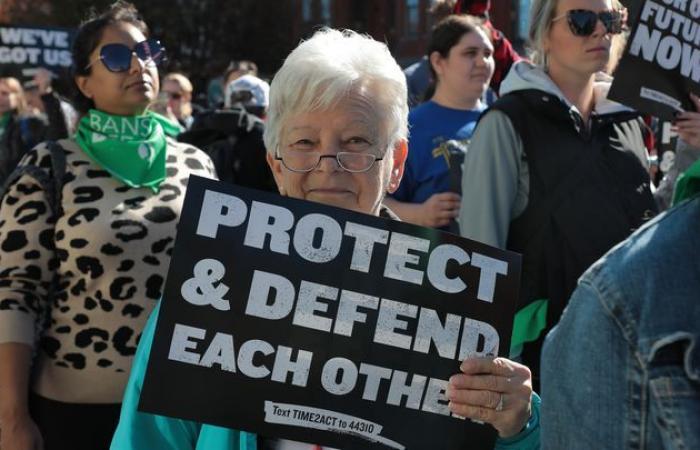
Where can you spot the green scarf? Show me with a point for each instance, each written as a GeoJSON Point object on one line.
{"type": "Point", "coordinates": [170, 128]}
{"type": "Point", "coordinates": [688, 183]}
{"type": "Point", "coordinates": [130, 148]}
{"type": "Point", "coordinates": [3, 122]}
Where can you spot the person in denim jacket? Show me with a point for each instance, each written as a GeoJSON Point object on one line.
{"type": "Point", "coordinates": [622, 368]}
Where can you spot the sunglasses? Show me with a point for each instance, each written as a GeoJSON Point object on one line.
{"type": "Point", "coordinates": [173, 95]}
{"type": "Point", "coordinates": [582, 22]}
{"type": "Point", "coordinates": [117, 57]}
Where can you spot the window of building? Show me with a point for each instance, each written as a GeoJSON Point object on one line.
{"type": "Point", "coordinates": [306, 6]}
{"type": "Point", "coordinates": [412, 16]}
{"type": "Point", "coordinates": [326, 11]}
{"type": "Point", "coordinates": [523, 19]}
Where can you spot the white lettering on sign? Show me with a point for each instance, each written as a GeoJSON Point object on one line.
{"type": "Point", "coordinates": [318, 238]}
{"type": "Point", "coordinates": [187, 343]}
{"type": "Point", "coordinates": [274, 297]}
{"type": "Point", "coordinates": [32, 37]}
{"type": "Point", "coordinates": [675, 51]}
{"type": "Point", "coordinates": [26, 46]}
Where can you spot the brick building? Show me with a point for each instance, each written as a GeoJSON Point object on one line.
{"type": "Point", "coordinates": [404, 24]}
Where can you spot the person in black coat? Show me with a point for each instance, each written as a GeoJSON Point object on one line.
{"type": "Point", "coordinates": [19, 131]}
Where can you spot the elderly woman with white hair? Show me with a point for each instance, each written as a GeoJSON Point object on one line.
{"type": "Point", "coordinates": [336, 134]}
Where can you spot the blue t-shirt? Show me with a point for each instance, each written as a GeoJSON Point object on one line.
{"type": "Point", "coordinates": [437, 133]}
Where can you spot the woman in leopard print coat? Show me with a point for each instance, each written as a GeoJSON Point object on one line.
{"type": "Point", "coordinates": [107, 249]}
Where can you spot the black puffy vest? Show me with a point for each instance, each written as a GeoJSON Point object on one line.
{"type": "Point", "coordinates": [586, 195]}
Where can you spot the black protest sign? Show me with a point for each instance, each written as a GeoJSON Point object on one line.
{"type": "Point", "coordinates": [24, 47]}
{"type": "Point", "coordinates": [303, 321]}
{"type": "Point", "coordinates": [666, 139]}
{"type": "Point", "coordinates": [661, 63]}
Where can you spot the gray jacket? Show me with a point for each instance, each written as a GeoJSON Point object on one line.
{"type": "Point", "coordinates": [495, 176]}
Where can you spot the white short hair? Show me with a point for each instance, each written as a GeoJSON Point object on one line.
{"type": "Point", "coordinates": [258, 88]}
{"type": "Point", "coordinates": [325, 69]}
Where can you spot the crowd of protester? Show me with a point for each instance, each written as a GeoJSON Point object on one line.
{"type": "Point", "coordinates": [520, 152]}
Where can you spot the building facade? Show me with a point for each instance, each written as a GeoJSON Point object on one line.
{"type": "Point", "coordinates": [404, 25]}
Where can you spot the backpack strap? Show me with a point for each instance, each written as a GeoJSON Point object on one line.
{"type": "Point", "coordinates": [51, 183]}
{"type": "Point", "coordinates": [58, 166]}
{"type": "Point", "coordinates": [24, 131]}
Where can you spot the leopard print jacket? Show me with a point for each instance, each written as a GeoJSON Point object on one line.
{"type": "Point", "coordinates": [109, 251]}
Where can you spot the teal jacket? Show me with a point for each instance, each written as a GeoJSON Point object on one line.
{"type": "Point", "coordinates": [137, 430]}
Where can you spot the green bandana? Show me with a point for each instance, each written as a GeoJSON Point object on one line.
{"type": "Point", "coordinates": [688, 183]}
{"type": "Point", "coordinates": [170, 128]}
{"type": "Point", "coordinates": [130, 148]}
{"type": "Point", "coordinates": [3, 122]}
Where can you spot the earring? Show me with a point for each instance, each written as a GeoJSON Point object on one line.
{"type": "Point", "coordinates": [393, 184]}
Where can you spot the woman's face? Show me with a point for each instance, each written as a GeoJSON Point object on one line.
{"type": "Point", "coordinates": [8, 98]}
{"type": "Point", "coordinates": [177, 97]}
{"type": "Point", "coordinates": [468, 67]}
{"type": "Point", "coordinates": [351, 126]}
{"type": "Point", "coordinates": [577, 56]}
{"type": "Point", "coordinates": [121, 93]}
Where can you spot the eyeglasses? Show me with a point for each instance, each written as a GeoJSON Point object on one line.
{"type": "Point", "coordinates": [173, 95]}
{"type": "Point", "coordinates": [117, 57]}
{"type": "Point", "coordinates": [582, 22]}
{"type": "Point", "coordinates": [306, 161]}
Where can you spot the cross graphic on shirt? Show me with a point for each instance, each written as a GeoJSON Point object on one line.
{"type": "Point", "coordinates": [443, 151]}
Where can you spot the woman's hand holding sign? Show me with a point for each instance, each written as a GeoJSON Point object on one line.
{"type": "Point", "coordinates": [493, 390]}
{"type": "Point", "coordinates": [688, 123]}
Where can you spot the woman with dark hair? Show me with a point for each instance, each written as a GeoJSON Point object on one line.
{"type": "Point", "coordinates": [84, 263]}
{"type": "Point", "coordinates": [461, 63]}
{"type": "Point", "coordinates": [504, 55]}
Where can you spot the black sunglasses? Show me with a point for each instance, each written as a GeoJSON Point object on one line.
{"type": "Point", "coordinates": [582, 22]}
{"type": "Point", "coordinates": [117, 57]}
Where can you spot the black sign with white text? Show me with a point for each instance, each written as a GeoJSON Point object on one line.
{"type": "Point", "coordinates": [29, 47]}
{"type": "Point", "coordinates": [298, 320]}
{"type": "Point", "coordinates": [661, 64]}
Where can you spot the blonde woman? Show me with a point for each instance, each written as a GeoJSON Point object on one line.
{"type": "Point", "coordinates": [19, 130]}
{"type": "Point", "coordinates": [554, 170]}
{"type": "Point", "coordinates": [177, 90]}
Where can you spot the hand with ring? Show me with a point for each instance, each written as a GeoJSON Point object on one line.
{"type": "Point", "coordinates": [492, 390]}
